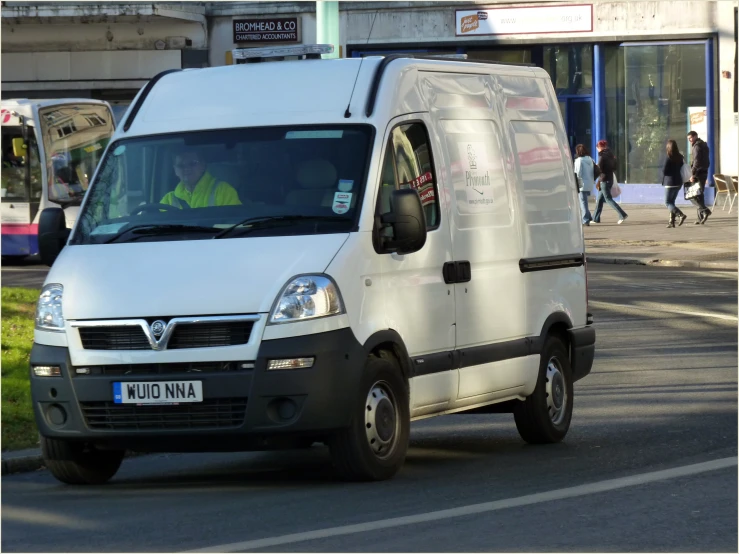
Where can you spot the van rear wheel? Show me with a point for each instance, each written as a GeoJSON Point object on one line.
{"type": "Point", "coordinates": [373, 447]}
{"type": "Point", "coordinates": [77, 463]}
{"type": "Point", "coordinates": [544, 417]}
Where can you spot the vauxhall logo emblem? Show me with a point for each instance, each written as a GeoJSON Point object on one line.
{"type": "Point", "coordinates": [157, 328]}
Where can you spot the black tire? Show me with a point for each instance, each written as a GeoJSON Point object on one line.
{"type": "Point", "coordinates": [538, 420]}
{"type": "Point", "coordinates": [357, 456]}
{"type": "Point", "coordinates": [75, 463]}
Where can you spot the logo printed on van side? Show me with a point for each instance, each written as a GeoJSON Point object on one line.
{"type": "Point", "coordinates": [477, 181]}
{"type": "Point", "coordinates": [473, 180]}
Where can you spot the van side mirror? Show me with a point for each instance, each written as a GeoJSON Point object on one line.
{"type": "Point", "coordinates": [52, 234]}
{"type": "Point", "coordinates": [19, 147]}
{"type": "Point", "coordinates": [408, 222]}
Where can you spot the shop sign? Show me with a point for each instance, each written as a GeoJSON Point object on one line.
{"type": "Point", "coordinates": [283, 29]}
{"type": "Point", "coordinates": [522, 21]}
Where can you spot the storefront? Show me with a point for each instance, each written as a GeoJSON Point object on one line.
{"type": "Point", "coordinates": [633, 73]}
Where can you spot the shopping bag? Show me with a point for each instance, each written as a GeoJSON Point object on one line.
{"type": "Point", "coordinates": [692, 190]}
{"type": "Point", "coordinates": [615, 189]}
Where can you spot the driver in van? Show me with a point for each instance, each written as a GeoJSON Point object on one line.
{"type": "Point", "coordinates": [197, 187]}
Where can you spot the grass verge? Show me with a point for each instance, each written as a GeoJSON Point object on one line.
{"type": "Point", "coordinates": [18, 425]}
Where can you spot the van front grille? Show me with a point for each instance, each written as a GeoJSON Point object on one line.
{"type": "Point", "coordinates": [118, 337]}
{"type": "Point", "coordinates": [214, 413]}
{"type": "Point", "coordinates": [193, 335]}
{"type": "Point", "coordinates": [205, 335]}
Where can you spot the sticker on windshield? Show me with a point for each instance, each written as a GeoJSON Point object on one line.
{"type": "Point", "coordinates": [342, 201]}
{"type": "Point", "coordinates": [345, 185]}
{"type": "Point", "coordinates": [108, 229]}
{"type": "Point", "coordinates": [120, 150]}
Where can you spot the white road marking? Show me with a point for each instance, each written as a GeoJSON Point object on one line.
{"type": "Point", "coordinates": [607, 305]}
{"type": "Point", "coordinates": [571, 492]}
{"type": "Point", "coordinates": [42, 517]}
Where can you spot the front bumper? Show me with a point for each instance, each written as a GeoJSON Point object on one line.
{"type": "Point", "coordinates": [241, 410]}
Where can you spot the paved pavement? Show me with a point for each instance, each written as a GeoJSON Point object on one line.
{"type": "Point", "coordinates": [645, 239]}
{"type": "Point", "coordinates": [649, 464]}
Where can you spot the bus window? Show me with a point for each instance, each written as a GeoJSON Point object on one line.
{"type": "Point", "coordinates": [14, 169]}
{"type": "Point", "coordinates": [75, 137]}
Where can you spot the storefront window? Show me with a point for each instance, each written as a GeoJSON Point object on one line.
{"type": "Point", "coordinates": [648, 92]}
{"type": "Point", "coordinates": [570, 68]}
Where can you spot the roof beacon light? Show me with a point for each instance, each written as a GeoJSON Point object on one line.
{"type": "Point", "coordinates": [310, 51]}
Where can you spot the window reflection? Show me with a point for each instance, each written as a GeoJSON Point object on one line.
{"type": "Point", "coordinates": [648, 92]}
{"type": "Point", "coordinates": [570, 68]}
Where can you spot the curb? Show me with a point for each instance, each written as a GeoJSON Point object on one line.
{"type": "Point", "coordinates": [22, 464]}
{"type": "Point", "coordinates": [733, 266]}
{"type": "Point", "coordinates": [34, 462]}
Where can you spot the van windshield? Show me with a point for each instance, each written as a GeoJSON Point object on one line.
{"type": "Point", "coordinates": [228, 183]}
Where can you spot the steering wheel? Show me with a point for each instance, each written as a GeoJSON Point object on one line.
{"type": "Point", "coordinates": [153, 208]}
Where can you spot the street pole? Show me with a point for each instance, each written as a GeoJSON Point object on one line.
{"type": "Point", "coordinates": [327, 25]}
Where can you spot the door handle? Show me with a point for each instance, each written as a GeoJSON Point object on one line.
{"type": "Point", "coordinates": [464, 272]}
{"type": "Point", "coordinates": [449, 270]}
{"type": "Point", "coordinates": [457, 272]}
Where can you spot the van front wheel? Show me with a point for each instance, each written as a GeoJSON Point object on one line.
{"type": "Point", "coordinates": [544, 417]}
{"type": "Point", "coordinates": [373, 447]}
{"type": "Point", "coordinates": [76, 463]}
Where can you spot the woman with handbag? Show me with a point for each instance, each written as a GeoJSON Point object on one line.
{"type": "Point", "coordinates": [585, 175]}
{"type": "Point", "coordinates": [673, 182]}
{"type": "Point", "coordinates": [607, 165]}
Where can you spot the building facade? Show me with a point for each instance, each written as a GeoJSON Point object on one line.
{"type": "Point", "coordinates": [635, 73]}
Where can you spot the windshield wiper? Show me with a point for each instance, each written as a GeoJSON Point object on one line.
{"type": "Point", "coordinates": [266, 221]}
{"type": "Point", "coordinates": [155, 230]}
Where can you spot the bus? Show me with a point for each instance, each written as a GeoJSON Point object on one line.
{"type": "Point", "coordinates": [50, 149]}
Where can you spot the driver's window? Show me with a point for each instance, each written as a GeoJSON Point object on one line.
{"type": "Point", "coordinates": [408, 164]}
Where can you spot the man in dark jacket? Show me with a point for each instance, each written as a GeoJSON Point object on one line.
{"type": "Point", "coordinates": [607, 165]}
{"type": "Point", "coordinates": [699, 168]}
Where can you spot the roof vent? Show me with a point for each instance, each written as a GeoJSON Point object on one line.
{"type": "Point", "coordinates": [303, 51]}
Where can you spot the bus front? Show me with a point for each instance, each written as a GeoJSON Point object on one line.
{"type": "Point", "coordinates": [69, 138]}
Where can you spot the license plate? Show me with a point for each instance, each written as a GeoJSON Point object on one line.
{"type": "Point", "coordinates": [157, 392]}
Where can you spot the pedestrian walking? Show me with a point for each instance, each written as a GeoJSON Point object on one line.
{"type": "Point", "coordinates": [585, 175]}
{"type": "Point", "coordinates": [699, 167]}
{"type": "Point", "coordinates": [673, 183]}
{"type": "Point", "coordinates": [607, 165]}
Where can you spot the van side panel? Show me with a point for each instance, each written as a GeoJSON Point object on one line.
{"type": "Point", "coordinates": [490, 307]}
{"type": "Point", "coordinates": [549, 205]}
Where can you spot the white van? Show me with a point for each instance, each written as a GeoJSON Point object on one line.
{"type": "Point", "coordinates": [280, 253]}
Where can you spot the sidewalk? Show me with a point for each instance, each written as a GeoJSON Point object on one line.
{"type": "Point", "coordinates": [644, 238]}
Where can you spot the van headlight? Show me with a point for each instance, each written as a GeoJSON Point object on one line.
{"type": "Point", "coordinates": [307, 297]}
{"type": "Point", "coordinates": [49, 315]}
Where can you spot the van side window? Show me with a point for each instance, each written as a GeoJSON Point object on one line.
{"type": "Point", "coordinates": [408, 164]}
